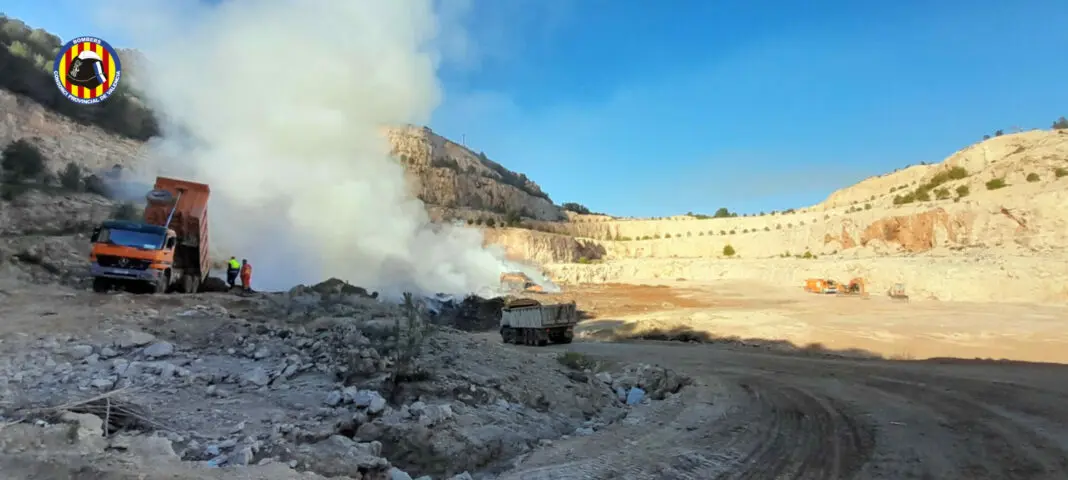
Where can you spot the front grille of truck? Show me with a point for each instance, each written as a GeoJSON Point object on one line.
{"type": "Point", "coordinates": [121, 262]}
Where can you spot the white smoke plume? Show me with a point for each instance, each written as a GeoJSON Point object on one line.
{"type": "Point", "coordinates": [281, 106]}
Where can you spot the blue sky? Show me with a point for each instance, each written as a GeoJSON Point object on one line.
{"type": "Point", "coordinates": [642, 108]}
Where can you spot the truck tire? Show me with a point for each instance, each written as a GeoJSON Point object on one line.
{"type": "Point", "coordinates": [508, 335]}
{"type": "Point", "coordinates": [162, 284]}
{"type": "Point", "coordinates": [101, 285]}
{"type": "Point", "coordinates": [159, 196]}
{"type": "Point", "coordinates": [190, 284]}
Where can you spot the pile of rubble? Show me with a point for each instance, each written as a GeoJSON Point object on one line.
{"type": "Point", "coordinates": [322, 379]}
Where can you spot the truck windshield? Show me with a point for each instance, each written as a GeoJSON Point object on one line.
{"type": "Point", "coordinates": [129, 238]}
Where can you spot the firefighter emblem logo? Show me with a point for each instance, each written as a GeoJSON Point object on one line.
{"type": "Point", "coordinates": [87, 70]}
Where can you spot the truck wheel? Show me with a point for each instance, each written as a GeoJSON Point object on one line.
{"type": "Point", "coordinates": [101, 285]}
{"type": "Point", "coordinates": [190, 284]}
{"type": "Point", "coordinates": [162, 285]}
{"type": "Point", "coordinates": [508, 335]}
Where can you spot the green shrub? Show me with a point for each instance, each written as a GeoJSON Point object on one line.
{"type": "Point", "coordinates": [22, 161]}
{"type": "Point", "coordinates": [575, 361]}
{"type": "Point", "coordinates": [71, 177]}
{"type": "Point", "coordinates": [728, 250]}
{"type": "Point", "coordinates": [995, 184]}
{"type": "Point", "coordinates": [127, 211]}
{"type": "Point", "coordinates": [1060, 171]}
{"type": "Point", "coordinates": [963, 191]}
{"type": "Point", "coordinates": [583, 260]}
{"type": "Point", "coordinates": [1033, 177]}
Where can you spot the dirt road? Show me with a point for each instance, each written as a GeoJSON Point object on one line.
{"type": "Point", "coordinates": [763, 416]}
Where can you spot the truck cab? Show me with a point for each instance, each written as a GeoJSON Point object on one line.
{"type": "Point", "coordinates": [126, 251]}
{"type": "Point", "coordinates": [166, 251]}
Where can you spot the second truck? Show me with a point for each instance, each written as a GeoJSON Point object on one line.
{"type": "Point", "coordinates": [528, 322]}
{"type": "Point", "coordinates": [166, 251]}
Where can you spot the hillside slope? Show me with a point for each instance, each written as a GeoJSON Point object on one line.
{"type": "Point", "coordinates": [949, 236]}
{"type": "Point", "coordinates": [441, 172]}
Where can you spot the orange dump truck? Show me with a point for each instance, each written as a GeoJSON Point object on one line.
{"type": "Point", "coordinates": [167, 251]}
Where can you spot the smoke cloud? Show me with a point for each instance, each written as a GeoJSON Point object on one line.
{"type": "Point", "coordinates": [281, 107]}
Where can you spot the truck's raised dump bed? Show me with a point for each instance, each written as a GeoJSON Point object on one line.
{"type": "Point", "coordinates": [528, 322]}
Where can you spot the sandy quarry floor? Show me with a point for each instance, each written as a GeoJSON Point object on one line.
{"type": "Point", "coordinates": [749, 413]}
{"type": "Point", "coordinates": [893, 329]}
{"type": "Point", "coordinates": [753, 415]}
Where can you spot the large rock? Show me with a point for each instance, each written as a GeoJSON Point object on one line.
{"type": "Point", "coordinates": [340, 455]}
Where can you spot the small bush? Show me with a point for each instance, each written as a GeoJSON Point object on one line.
{"type": "Point", "coordinates": [1060, 171]}
{"type": "Point", "coordinates": [942, 193]}
{"type": "Point", "coordinates": [513, 218]}
{"type": "Point", "coordinates": [722, 232]}
{"type": "Point", "coordinates": [583, 260]}
{"type": "Point", "coordinates": [767, 229]}
{"type": "Point", "coordinates": [575, 361]}
{"type": "Point", "coordinates": [491, 222]}
{"type": "Point", "coordinates": [732, 232]}
{"type": "Point", "coordinates": [867, 206]}
{"type": "Point", "coordinates": [576, 207]}
{"type": "Point", "coordinates": [728, 250]}
{"type": "Point", "coordinates": [71, 177]}
{"type": "Point", "coordinates": [963, 191]}
{"type": "Point", "coordinates": [127, 211]}
{"type": "Point", "coordinates": [1061, 124]}
{"type": "Point", "coordinates": [1033, 177]}
{"type": "Point", "coordinates": [22, 161]}
{"type": "Point", "coordinates": [667, 235]}
{"type": "Point", "coordinates": [995, 184]}
{"type": "Point", "coordinates": [807, 255]}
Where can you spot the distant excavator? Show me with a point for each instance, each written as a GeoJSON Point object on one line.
{"type": "Point", "coordinates": [856, 287]}
{"type": "Point", "coordinates": [520, 282]}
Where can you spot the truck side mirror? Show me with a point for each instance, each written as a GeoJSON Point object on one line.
{"type": "Point", "coordinates": [95, 236]}
{"type": "Point", "coordinates": [171, 241]}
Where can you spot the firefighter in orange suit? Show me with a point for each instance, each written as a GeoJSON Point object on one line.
{"type": "Point", "coordinates": [246, 275]}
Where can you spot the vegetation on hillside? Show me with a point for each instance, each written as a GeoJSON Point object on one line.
{"type": "Point", "coordinates": [923, 192]}
{"type": "Point", "coordinates": [1061, 124]}
{"type": "Point", "coordinates": [517, 180]}
{"type": "Point", "coordinates": [26, 59]}
{"type": "Point", "coordinates": [23, 167]}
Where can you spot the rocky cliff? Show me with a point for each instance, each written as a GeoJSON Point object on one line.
{"type": "Point", "coordinates": [447, 174]}
{"type": "Point", "coordinates": [442, 173]}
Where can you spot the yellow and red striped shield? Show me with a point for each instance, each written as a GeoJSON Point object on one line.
{"type": "Point", "coordinates": [96, 60]}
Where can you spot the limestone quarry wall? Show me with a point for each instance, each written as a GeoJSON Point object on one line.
{"type": "Point", "coordinates": [1031, 220]}
{"type": "Point", "coordinates": [542, 248]}
{"type": "Point", "coordinates": [973, 279]}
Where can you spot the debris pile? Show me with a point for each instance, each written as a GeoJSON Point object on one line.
{"type": "Point", "coordinates": [322, 379]}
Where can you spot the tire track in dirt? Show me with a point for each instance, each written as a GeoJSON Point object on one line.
{"type": "Point", "coordinates": [789, 417]}
{"type": "Point", "coordinates": [743, 428]}
{"type": "Point", "coordinates": [995, 445]}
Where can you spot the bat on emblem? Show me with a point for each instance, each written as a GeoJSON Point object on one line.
{"type": "Point", "coordinates": [87, 70]}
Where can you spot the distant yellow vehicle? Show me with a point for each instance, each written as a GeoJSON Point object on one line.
{"type": "Point", "coordinates": [520, 282]}
{"type": "Point", "coordinates": [821, 285]}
